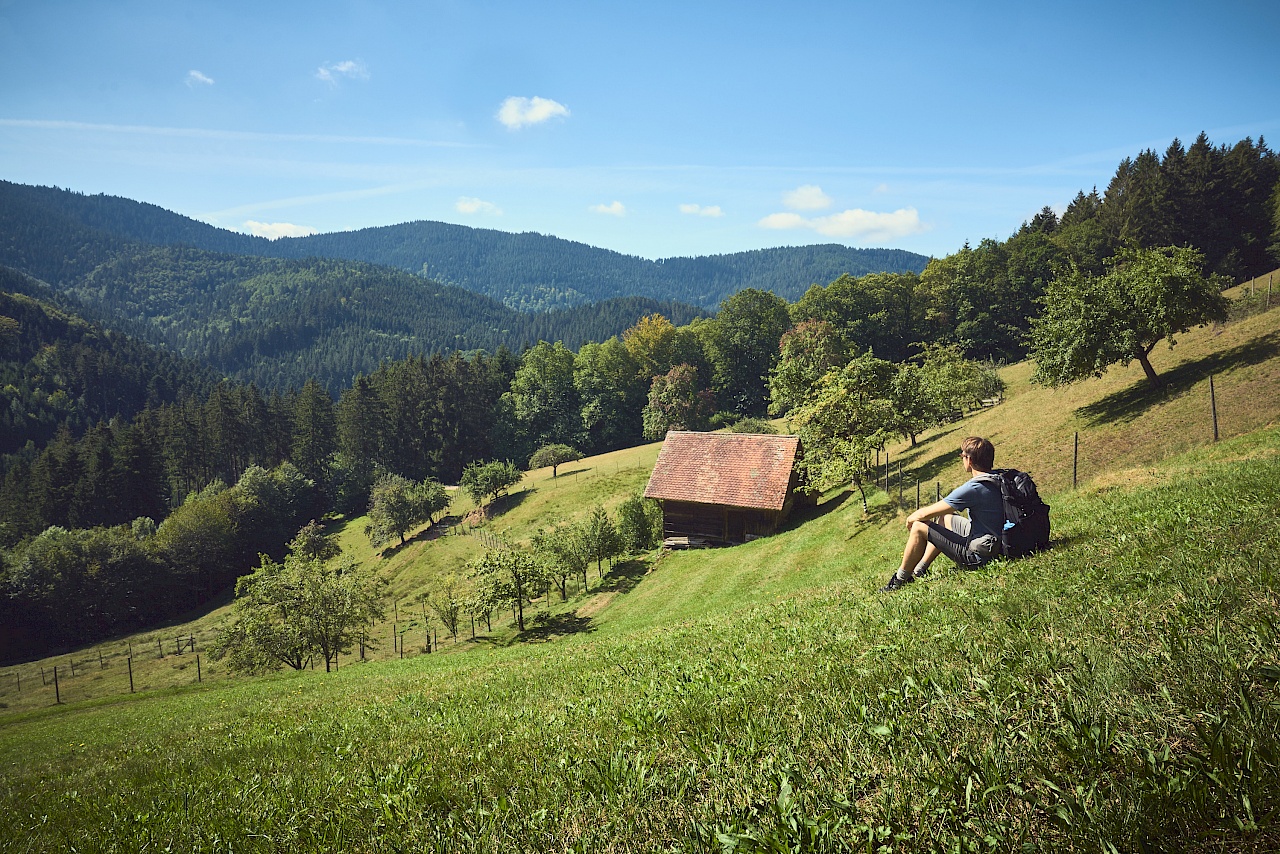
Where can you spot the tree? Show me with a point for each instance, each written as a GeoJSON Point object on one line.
{"type": "Point", "coordinates": [396, 504]}
{"type": "Point", "coordinates": [639, 524]}
{"type": "Point", "coordinates": [611, 393]}
{"type": "Point", "coordinates": [849, 415]}
{"type": "Point", "coordinates": [1090, 323]}
{"type": "Point", "coordinates": [1274, 247]}
{"type": "Point", "coordinates": [314, 544]}
{"type": "Point", "coordinates": [676, 403]}
{"type": "Point", "coordinates": [554, 456]}
{"type": "Point", "coordinates": [743, 347]}
{"type": "Point", "coordinates": [506, 578]}
{"type": "Point", "coordinates": [602, 538]}
{"type": "Point", "coordinates": [286, 612]}
{"type": "Point", "coordinates": [651, 343]}
{"type": "Point", "coordinates": [543, 396]}
{"type": "Point", "coordinates": [808, 350]}
{"type": "Point", "coordinates": [361, 422]}
{"type": "Point", "coordinates": [447, 604]}
{"type": "Point", "coordinates": [950, 383]}
{"type": "Point", "coordinates": [315, 431]}
{"type": "Point", "coordinates": [489, 480]}
{"type": "Point", "coordinates": [915, 408]}
{"type": "Point", "coordinates": [565, 552]}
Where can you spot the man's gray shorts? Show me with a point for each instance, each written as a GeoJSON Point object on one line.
{"type": "Point", "coordinates": [954, 541]}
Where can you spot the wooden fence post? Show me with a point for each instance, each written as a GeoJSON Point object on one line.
{"type": "Point", "coordinates": [1075, 461]}
{"type": "Point", "coordinates": [1213, 405]}
{"type": "Point", "coordinates": [57, 692]}
{"type": "Point", "coordinates": [130, 659]}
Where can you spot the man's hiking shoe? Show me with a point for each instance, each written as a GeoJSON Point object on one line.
{"type": "Point", "coordinates": [895, 583]}
{"type": "Point", "coordinates": [921, 573]}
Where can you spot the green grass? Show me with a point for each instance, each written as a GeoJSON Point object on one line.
{"type": "Point", "coordinates": [1119, 690]}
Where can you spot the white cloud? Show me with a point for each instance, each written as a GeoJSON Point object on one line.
{"type": "Point", "coordinates": [881, 188]}
{"type": "Point", "coordinates": [469, 205]}
{"type": "Point", "coordinates": [808, 197]}
{"type": "Point", "coordinates": [273, 230]}
{"type": "Point", "coordinates": [700, 210]}
{"type": "Point", "coordinates": [350, 68]}
{"type": "Point", "coordinates": [515, 112]}
{"type": "Point", "coordinates": [615, 209]}
{"type": "Point", "coordinates": [856, 223]}
{"type": "Point", "coordinates": [195, 78]}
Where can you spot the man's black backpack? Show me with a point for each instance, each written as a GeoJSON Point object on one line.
{"type": "Point", "coordinates": [1022, 507]}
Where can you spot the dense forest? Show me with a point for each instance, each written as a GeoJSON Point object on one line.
{"type": "Point", "coordinates": [527, 272]}
{"type": "Point", "coordinates": [137, 484]}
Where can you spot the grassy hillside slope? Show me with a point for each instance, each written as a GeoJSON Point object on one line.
{"type": "Point", "coordinates": [1118, 690]}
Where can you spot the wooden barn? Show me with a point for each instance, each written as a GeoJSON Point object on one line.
{"type": "Point", "coordinates": [722, 488]}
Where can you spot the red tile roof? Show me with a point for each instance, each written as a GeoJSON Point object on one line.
{"type": "Point", "coordinates": [735, 469]}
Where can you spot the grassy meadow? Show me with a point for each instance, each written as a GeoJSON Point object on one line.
{"type": "Point", "coordinates": [1118, 693]}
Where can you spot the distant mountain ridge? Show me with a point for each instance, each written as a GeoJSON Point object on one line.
{"type": "Point", "coordinates": [273, 321]}
{"type": "Point", "coordinates": [526, 272]}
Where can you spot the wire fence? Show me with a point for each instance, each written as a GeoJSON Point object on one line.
{"type": "Point", "coordinates": [904, 485]}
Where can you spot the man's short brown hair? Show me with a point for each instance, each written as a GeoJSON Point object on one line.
{"type": "Point", "coordinates": [980, 452]}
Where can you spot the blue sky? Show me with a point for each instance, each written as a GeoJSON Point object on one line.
{"type": "Point", "coordinates": [657, 129]}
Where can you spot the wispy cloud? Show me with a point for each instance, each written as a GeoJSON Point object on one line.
{"type": "Point", "coordinates": [701, 210]}
{"type": "Point", "coordinates": [273, 230]}
{"type": "Point", "coordinates": [210, 133]}
{"type": "Point", "coordinates": [516, 113]}
{"type": "Point", "coordinates": [854, 224]}
{"type": "Point", "coordinates": [808, 197]}
{"type": "Point", "coordinates": [352, 69]}
{"type": "Point", "coordinates": [196, 78]}
{"type": "Point", "coordinates": [469, 205]}
{"type": "Point", "coordinates": [615, 209]}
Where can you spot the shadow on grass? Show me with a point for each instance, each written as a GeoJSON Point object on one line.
{"type": "Point", "coordinates": [544, 627]}
{"type": "Point", "coordinates": [1127, 404]}
{"type": "Point", "coordinates": [570, 473]}
{"type": "Point", "coordinates": [434, 531]}
{"type": "Point", "coordinates": [622, 577]}
{"type": "Point", "coordinates": [507, 502]}
{"type": "Point", "coordinates": [804, 513]}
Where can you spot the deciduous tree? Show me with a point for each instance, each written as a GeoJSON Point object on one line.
{"type": "Point", "coordinates": [676, 403]}
{"type": "Point", "coordinates": [396, 504]}
{"type": "Point", "coordinates": [506, 578]}
{"type": "Point", "coordinates": [554, 455]}
{"type": "Point", "coordinates": [1147, 296]}
{"type": "Point", "coordinates": [485, 482]}
{"type": "Point", "coordinates": [286, 612]}
{"type": "Point", "coordinates": [849, 415]}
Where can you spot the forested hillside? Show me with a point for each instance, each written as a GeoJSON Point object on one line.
{"type": "Point", "coordinates": [59, 371]}
{"type": "Point", "coordinates": [527, 272]}
{"type": "Point", "coordinates": [274, 321]}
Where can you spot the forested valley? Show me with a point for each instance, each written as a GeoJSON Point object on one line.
{"type": "Point", "coordinates": [139, 483]}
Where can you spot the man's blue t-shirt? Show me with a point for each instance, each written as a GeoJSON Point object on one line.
{"type": "Point", "coordinates": [982, 498]}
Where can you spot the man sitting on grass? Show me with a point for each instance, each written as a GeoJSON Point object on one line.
{"type": "Point", "coordinates": [969, 542]}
